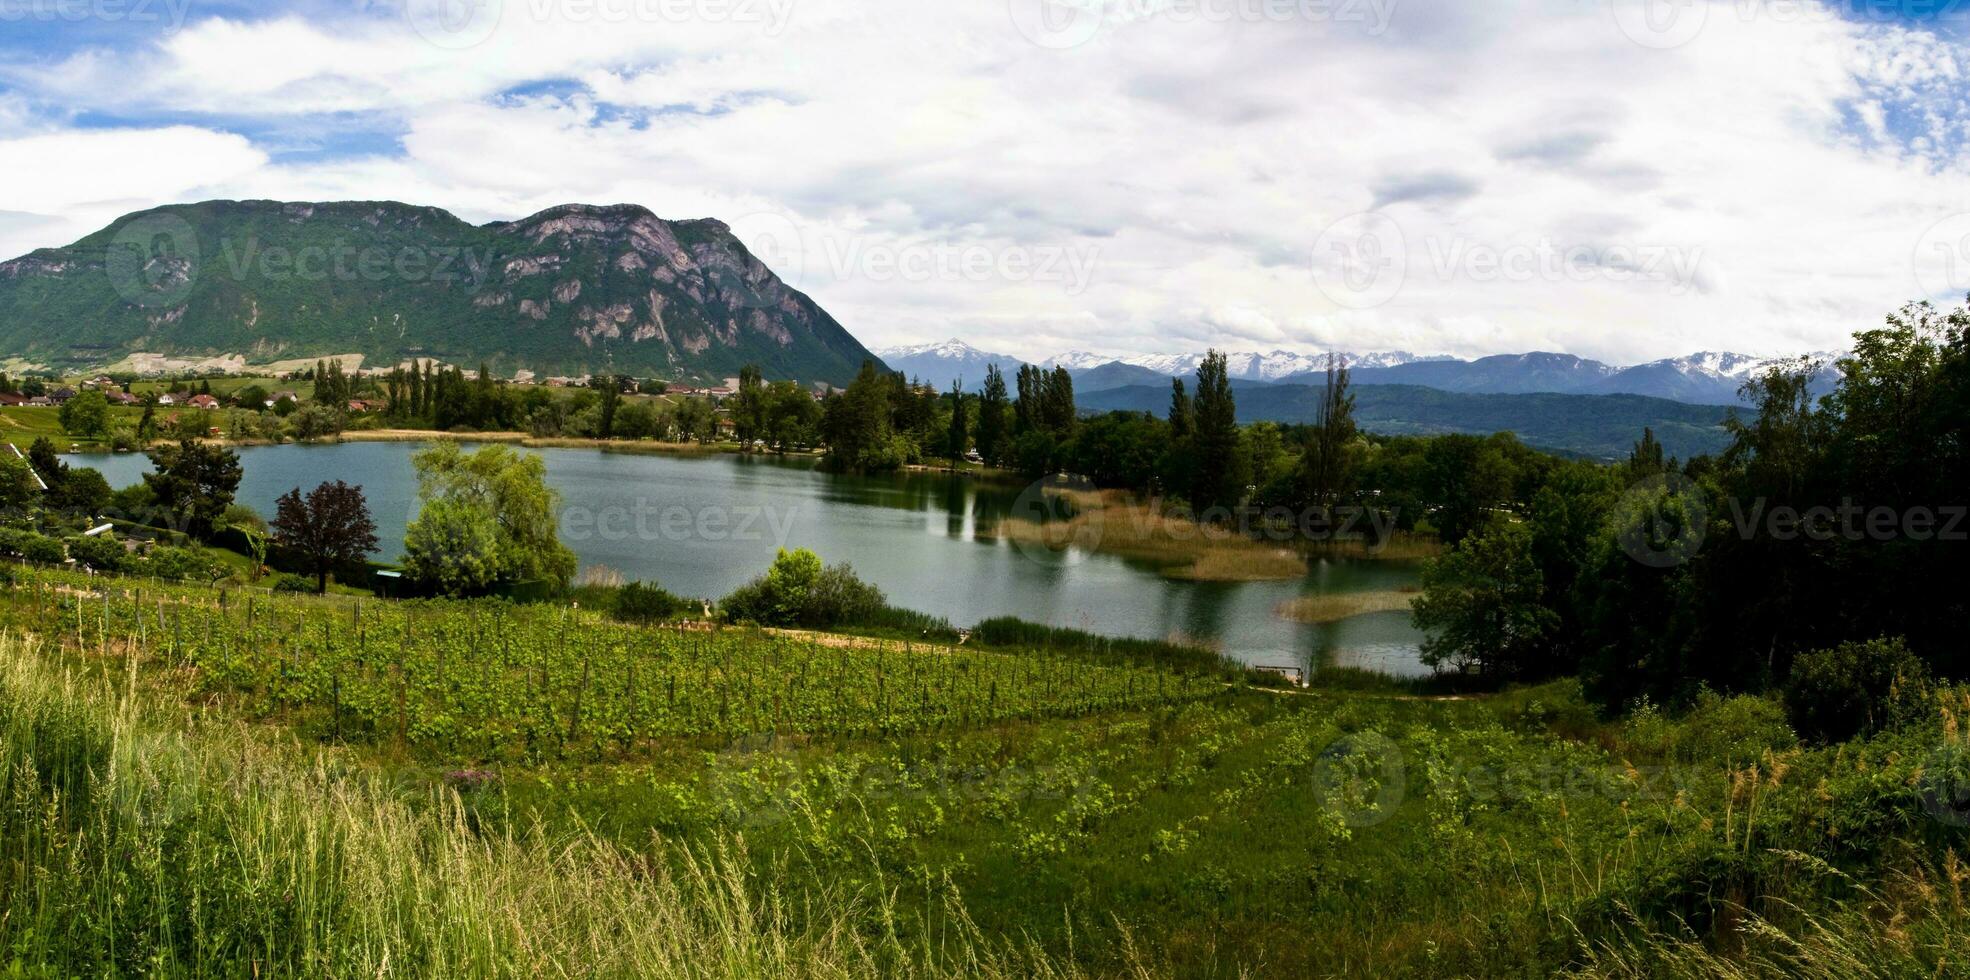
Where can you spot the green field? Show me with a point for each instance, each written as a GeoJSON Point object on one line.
{"type": "Point", "coordinates": [809, 805]}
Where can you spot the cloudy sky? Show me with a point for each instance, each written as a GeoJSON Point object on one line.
{"type": "Point", "coordinates": [1622, 180]}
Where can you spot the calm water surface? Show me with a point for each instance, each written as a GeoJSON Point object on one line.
{"type": "Point", "coordinates": [702, 525]}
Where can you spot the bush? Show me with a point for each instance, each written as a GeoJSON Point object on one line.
{"type": "Point", "coordinates": [1855, 689]}
{"type": "Point", "coordinates": [177, 565]}
{"type": "Point", "coordinates": [798, 591]}
{"type": "Point", "coordinates": [33, 546]}
{"type": "Point", "coordinates": [290, 582]}
{"type": "Point", "coordinates": [102, 552]}
{"type": "Point", "coordinates": [640, 603]}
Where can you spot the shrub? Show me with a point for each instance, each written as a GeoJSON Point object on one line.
{"type": "Point", "coordinates": [641, 603]}
{"type": "Point", "coordinates": [798, 591]}
{"type": "Point", "coordinates": [290, 582]}
{"type": "Point", "coordinates": [32, 545]}
{"type": "Point", "coordinates": [1855, 688]}
{"type": "Point", "coordinates": [177, 564]}
{"type": "Point", "coordinates": [102, 552]}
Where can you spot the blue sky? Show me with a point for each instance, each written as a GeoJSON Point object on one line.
{"type": "Point", "coordinates": [1625, 179]}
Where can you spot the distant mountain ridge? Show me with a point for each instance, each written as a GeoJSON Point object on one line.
{"type": "Point", "coordinates": [573, 289]}
{"type": "Point", "coordinates": [1703, 378]}
{"type": "Point", "coordinates": [1597, 426]}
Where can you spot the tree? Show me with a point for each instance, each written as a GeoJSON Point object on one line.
{"type": "Point", "coordinates": [791, 416]}
{"type": "Point", "coordinates": [1481, 604]}
{"type": "Point", "coordinates": [1214, 477]}
{"type": "Point", "coordinates": [193, 483]}
{"type": "Point", "coordinates": [18, 491]}
{"type": "Point", "coordinates": [86, 415]}
{"type": "Point", "coordinates": [749, 406]}
{"type": "Point", "coordinates": [509, 488]}
{"type": "Point", "coordinates": [1326, 465]}
{"type": "Point", "coordinates": [955, 438]}
{"type": "Point", "coordinates": [47, 461]}
{"type": "Point", "coordinates": [315, 422]}
{"type": "Point", "coordinates": [858, 426]}
{"type": "Point", "coordinates": [147, 423]}
{"type": "Point", "coordinates": [610, 387]}
{"type": "Point", "coordinates": [328, 528]}
{"type": "Point", "coordinates": [453, 547]}
{"type": "Point", "coordinates": [991, 438]}
{"type": "Point", "coordinates": [1182, 420]}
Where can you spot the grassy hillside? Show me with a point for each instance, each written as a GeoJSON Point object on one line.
{"type": "Point", "coordinates": [570, 290]}
{"type": "Point", "coordinates": [1238, 832]}
{"type": "Point", "coordinates": [1604, 426]}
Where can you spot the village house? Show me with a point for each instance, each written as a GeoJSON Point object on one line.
{"type": "Point", "coordinates": [62, 394]}
{"type": "Point", "coordinates": [202, 401]}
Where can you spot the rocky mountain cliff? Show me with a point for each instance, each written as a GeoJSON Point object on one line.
{"type": "Point", "coordinates": [571, 290]}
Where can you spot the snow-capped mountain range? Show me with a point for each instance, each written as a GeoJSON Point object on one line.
{"type": "Point", "coordinates": [1706, 377]}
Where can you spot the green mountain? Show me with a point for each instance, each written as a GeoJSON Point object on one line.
{"type": "Point", "coordinates": [1600, 426]}
{"type": "Point", "coordinates": [571, 290]}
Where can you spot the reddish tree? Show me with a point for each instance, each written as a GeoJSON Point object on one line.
{"type": "Point", "coordinates": [327, 528]}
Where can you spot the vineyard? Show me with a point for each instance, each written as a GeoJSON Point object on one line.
{"type": "Point", "coordinates": [503, 681]}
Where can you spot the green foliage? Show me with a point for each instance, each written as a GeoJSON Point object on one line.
{"type": "Point", "coordinates": [798, 591]}
{"type": "Point", "coordinates": [86, 415]}
{"type": "Point", "coordinates": [453, 547]}
{"type": "Point", "coordinates": [18, 491]}
{"type": "Point", "coordinates": [1856, 688]}
{"type": "Point", "coordinates": [193, 483]}
{"type": "Point", "coordinates": [32, 546]}
{"type": "Point", "coordinates": [1482, 605]}
{"type": "Point", "coordinates": [176, 565]}
{"type": "Point", "coordinates": [493, 487]}
{"type": "Point", "coordinates": [100, 552]}
{"type": "Point", "coordinates": [638, 602]}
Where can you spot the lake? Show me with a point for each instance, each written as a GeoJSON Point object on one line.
{"type": "Point", "coordinates": [700, 526]}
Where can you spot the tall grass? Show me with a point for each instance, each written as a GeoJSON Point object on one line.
{"type": "Point", "coordinates": [139, 837]}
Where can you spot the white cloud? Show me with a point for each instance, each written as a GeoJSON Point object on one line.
{"type": "Point", "coordinates": [76, 182]}
{"type": "Point", "coordinates": [1760, 186]}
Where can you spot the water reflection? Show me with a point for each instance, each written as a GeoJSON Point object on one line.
{"type": "Point", "coordinates": [703, 525]}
